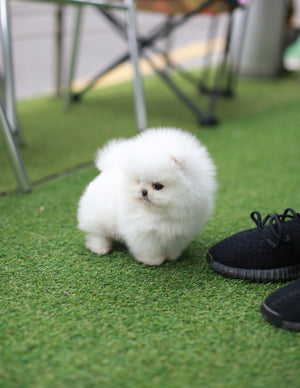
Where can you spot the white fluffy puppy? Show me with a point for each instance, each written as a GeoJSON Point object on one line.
{"type": "Point", "coordinates": [155, 192]}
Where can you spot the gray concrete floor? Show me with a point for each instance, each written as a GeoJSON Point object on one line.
{"type": "Point", "coordinates": [34, 43]}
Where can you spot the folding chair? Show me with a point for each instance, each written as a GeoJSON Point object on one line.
{"type": "Point", "coordinates": [10, 128]}
{"type": "Point", "coordinates": [178, 12]}
{"type": "Point", "coordinates": [13, 151]}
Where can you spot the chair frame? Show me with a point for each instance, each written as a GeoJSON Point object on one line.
{"type": "Point", "coordinates": [204, 117]}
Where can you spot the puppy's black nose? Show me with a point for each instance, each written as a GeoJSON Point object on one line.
{"type": "Point", "coordinates": [144, 193]}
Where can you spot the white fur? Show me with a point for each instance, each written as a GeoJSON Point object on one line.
{"type": "Point", "coordinates": [157, 226]}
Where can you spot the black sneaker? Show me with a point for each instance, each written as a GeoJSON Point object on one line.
{"type": "Point", "coordinates": [267, 253]}
{"type": "Point", "coordinates": [282, 307]}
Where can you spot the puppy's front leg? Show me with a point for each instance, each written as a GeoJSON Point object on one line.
{"type": "Point", "coordinates": [98, 244]}
{"type": "Point", "coordinates": [175, 248]}
{"type": "Point", "coordinates": [147, 251]}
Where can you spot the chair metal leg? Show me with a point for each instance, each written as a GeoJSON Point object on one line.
{"type": "Point", "coordinates": [13, 152]}
{"type": "Point", "coordinates": [206, 72]}
{"type": "Point", "coordinates": [72, 67]}
{"type": "Point", "coordinates": [139, 101]}
{"type": "Point", "coordinates": [9, 86]}
{"type": "Point", "coordinates": [168, 42]}
{"type": "Point", "coordinates": [1, 85]}
{"type": "Point", "coordinates": [59, 15]}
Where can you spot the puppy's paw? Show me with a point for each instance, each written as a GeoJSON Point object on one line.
{"type": "Point", "coordinates": [98, 244]}
{"type": "Point", "coordinates": [173, 257]}
{"type": "Point", "coordinates": [154, 261]}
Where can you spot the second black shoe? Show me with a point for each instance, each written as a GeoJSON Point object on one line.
{"type": "Point", "coordinates": [282, 307]}
{"type": "Point", "coordinates": [268, 253]}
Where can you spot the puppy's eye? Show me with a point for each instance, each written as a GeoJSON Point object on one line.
{"type": "Point", "coordinates": [157, 186]}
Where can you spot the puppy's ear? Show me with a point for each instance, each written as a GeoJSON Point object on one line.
{"type": "Point", "coordinates": [176, 161]}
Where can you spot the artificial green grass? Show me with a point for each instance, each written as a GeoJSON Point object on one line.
{"type": "Point", "coordinates": [69, 318]}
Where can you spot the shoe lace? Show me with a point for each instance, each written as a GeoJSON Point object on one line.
{"type": "Point", "coordinates": [275, 224]}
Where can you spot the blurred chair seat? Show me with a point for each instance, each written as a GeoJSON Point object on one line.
{"type": "Point", "coordinates": [173, 7]}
